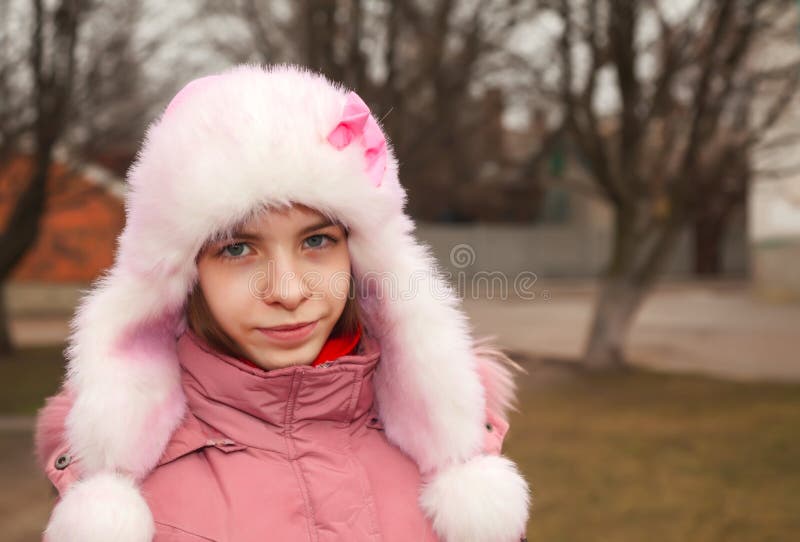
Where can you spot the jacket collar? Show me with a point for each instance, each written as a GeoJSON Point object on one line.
{"type": "Point", "coordinates": [229, 401]}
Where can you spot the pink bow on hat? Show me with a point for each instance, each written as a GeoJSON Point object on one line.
{"type": "Point", "coordinates": [358, 124]}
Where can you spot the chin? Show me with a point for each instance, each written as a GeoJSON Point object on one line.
{"type": "Point", "coordinates": [276, 357]}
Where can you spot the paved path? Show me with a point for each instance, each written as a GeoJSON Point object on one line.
{"type": "Point", "coordinates": [720, 329]}
{"type": "Point", "coordinates": [40, 331]}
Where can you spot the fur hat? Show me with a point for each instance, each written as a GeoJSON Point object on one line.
{"type": "Point", "coordinates": [226, 146]}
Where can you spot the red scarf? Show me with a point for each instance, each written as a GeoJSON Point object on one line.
{"type": "Point", "coordinates": [334, 348]}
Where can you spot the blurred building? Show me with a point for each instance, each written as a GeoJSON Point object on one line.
{"type": "Point", "coordinates": [547, 218]}
{"type": "Point", "coordinates": [774, 199]}
{"type": "Point", "coordinates": [775, 218]}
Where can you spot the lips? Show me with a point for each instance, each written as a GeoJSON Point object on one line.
{"type": "Point", "coordinates": [287, 327]}
{"type": "Point", "coordinates": [290, 333]}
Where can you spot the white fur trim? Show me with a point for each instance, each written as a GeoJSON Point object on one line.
{"type": "Point", "coordinates": [123, 370]}
{"type": "Point", "coordinates": [427, 386]}
{"type": "Point", "coordinates": [102, 508]}
{"type": "Point", "coordinates": [485, 499]}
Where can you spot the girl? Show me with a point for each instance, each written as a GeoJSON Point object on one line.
{"type": "Point", "coordinates": [273, 356]}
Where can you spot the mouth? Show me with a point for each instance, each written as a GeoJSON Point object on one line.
{"type": "Point", "coordinates": [289, 332]}
{"type": "Point", "coordinates": [287, 327]}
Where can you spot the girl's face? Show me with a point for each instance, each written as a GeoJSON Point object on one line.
{"type": "Point", "coordinates": [284, 268]}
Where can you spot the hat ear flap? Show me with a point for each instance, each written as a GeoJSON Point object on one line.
{"type": "Point", "coordinates": [123, 369]}
{"type": "Point", "coordinates": [433, 386]}
{"type": "Point", "coordinates": [427, 385]}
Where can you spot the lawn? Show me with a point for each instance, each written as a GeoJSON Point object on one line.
{"type": "Point", "coordinates": [28, 376]}
{"type": "Point", "coordinates": [650, 457]}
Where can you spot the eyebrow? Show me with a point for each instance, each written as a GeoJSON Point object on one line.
{"type": "Point", "coordinates": [253, 236]}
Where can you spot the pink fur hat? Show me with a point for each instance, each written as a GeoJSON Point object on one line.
{"type": "Point", "coordinates": [227, 145]}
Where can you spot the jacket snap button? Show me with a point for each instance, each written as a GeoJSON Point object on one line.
{"type": "Point", "coordinates": [63, 461]}
{"type": "Point", "coordinates": [488, 427]}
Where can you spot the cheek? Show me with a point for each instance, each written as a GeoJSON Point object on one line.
{"type": "Point", "coordinates": [340, 286]}
{"type": "Point", "coordinates": [225, 288]}
{"type": "Point", "coordinates": [337, 275]}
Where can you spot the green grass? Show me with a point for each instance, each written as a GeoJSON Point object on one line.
{"type": "Point", "coordinates": [28, 377]}
{"type": "Point", "coordinates": [649, 457]}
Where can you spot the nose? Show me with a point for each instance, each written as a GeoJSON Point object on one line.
{"type": "Point", "coordinates": [284, 282]}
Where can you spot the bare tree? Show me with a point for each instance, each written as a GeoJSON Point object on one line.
{"type": "Point", "coordinates": [69, 78]}
{"type": "Point", "coordinates": [51, 63]}
{"type": "Point", "coordinates": [417, 64]}
{"type": "Point", "coordinates": [693, 99]}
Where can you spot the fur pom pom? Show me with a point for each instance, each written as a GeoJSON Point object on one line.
{"type": "Point", "coordinates": [485, 499]}
{"type": "Point", "coordinates": [103, 507]}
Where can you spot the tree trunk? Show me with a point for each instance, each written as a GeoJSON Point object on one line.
{"type": "Point", "coordinates": [636, 263]}
{"type": "Point", "coordinates": [708, 239]}
{"type": "Point", "coordinates": [617, 303]}
{"type": "Point", "coordinates": [6, 345]}
{"type": "Point", "coordinates": [22, 231]}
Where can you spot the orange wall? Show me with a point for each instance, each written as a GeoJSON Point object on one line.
{"type": "Point", "coordinates": [78, 231]}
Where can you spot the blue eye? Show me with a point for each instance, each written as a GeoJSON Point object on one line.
{"type": "Point", "coordinates": [234, 250]}
{"type": "Point", "coordinates": [318, 241]}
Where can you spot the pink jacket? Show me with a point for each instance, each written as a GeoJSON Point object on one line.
{"type": "Point", "coordinates": [292, 454]}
